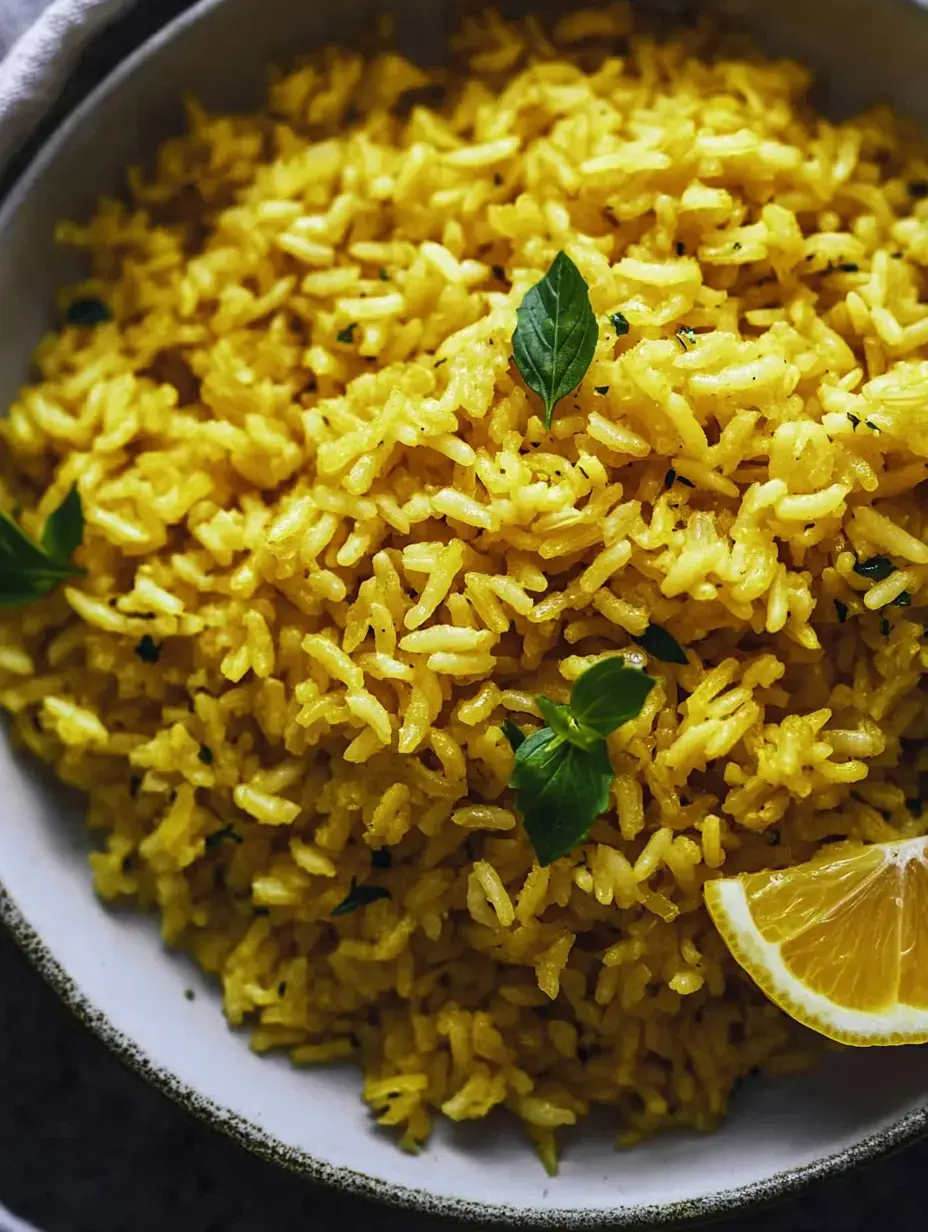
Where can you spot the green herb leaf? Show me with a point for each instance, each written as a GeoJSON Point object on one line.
{"type": "Point", "coordinates": [608, 694]}
{"type": "Point", "coordinates": [359, 896]}
{"type": "Point", "coordinates": [515, 735]}
{"type": "Point", "coordinates": [205, 755]}
{"type": "Point", "coordinates": [619, 322]}
{"type": "Point", "coordinates": [29, 572]}
{"type": "Point", "coordinates": [563, 723]}
{"type": "Point", "coordinates": [560, 791]}
{"type": "Point", "coordinates": [346, 335]}
{"type": "Point", "coordinates": [686, 336]}
{"type": "Point", "coordinates": [903, 599]}
{"type": "Point", "coordinates": [840, 611]}
{"type": "Point", "coordinates": [556, 334]}
{"type": "Point", "coordinates": [877, 568]}
{"type": "Point", "coordinates": [662, 645]}
{"type": "Point", "coordinates": [562, 773]}
{"type": "Point", "coordinates": [556, 715]}
{"type": "Point", "coordinates": [64, 530]}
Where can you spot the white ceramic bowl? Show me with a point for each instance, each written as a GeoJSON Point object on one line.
{"type": "Point", "coordinates": [110, 966]}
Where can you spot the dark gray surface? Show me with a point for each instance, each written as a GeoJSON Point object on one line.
{"type": "Point", "coordinates": [85, 1146]}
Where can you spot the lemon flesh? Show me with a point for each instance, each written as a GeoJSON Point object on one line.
{"type": "Point", "coordinates": [840, 943]}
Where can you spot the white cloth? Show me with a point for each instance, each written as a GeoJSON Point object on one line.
{"type": "Point", "coordinates": [45, 40]}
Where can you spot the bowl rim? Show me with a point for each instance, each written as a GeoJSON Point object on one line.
{"type": "Point", "coordinates": [778, 1187]}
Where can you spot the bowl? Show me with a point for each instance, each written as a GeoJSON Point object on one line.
{"type": "Point", "coordinates": [111, 967]}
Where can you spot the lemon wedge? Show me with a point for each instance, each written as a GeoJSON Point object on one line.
{"type": "Point", "coordinates": [840, 943]}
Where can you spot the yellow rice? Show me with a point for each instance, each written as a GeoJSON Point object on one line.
{"type": "Point", "coordinates": [313, 477]}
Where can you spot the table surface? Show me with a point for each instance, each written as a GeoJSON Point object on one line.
{"type": "Point", "coordinates": [86, 1146]}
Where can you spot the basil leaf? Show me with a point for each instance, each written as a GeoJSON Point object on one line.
{"type": "Point", "coordinates": [16, 593]}
{"type": "Point", "coordinates": [878, 568]}
{"type": "Point", "coordinates": [16, 549]}
{"type": "Point", "coordinates": [662, 645]}
{"type": "Point", "coordinates": [556, 715]}
{"type": "Point", "coordinates": [608, 694]}
{"type": "Point", "coordinates": [64, 530]}
{"type": "Point", "coordinates": [29, 572]}
{"type": "Point", "coordinates": [16, 590]}
{"type": "Point", "coordinates": [561, 790]}
{"type": "Point", "coordinates": [515, 735]}
{"type": "Point", "coordinates": [556, 334]}
{"type": "Point", "coordinates": [563, 723]}
{"type": "Point", "coordinates": [359, 896]}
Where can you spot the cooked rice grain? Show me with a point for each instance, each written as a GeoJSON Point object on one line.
{"type": "Point", "coordinates": [313, 478]}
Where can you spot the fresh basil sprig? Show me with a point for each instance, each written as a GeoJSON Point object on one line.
{"type": "Point", "coordinates": [556, 334]}
{"type": "Point", "coordinates": [562, 773]}
{"type": "Point", "coordinates": [29, 571]}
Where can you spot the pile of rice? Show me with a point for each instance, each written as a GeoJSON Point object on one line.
{"type": "Point", "coordinates": [330, 548]}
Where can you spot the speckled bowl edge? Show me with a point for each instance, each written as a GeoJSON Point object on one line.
{"type": "Point", "coordinates": [776, 1188]}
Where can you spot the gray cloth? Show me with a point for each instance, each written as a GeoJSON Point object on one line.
{"type": "Point", "coordinates": [44, 40]}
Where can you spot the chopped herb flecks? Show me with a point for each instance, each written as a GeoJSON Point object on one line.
{"type": "Point", "coordinates": [205, 755]}
{"type": "Point", "coordinates": [903, 599]}
{"type": "Point", "coordinates": [686, 336]}
{"type": "Point", "coordinates": [218, 837]}
{"type": "Point", "coordinates": [381, 857]}
{"type": "Point", "coordinates": [841, 611]}
{"type": "Point", "coordinates": [359, 896]}
{"type": "Point", "coordinates": [602, 389]}
{"type": "Point", "coordinates": [619, 323]}
{"type": "Point", "coordinates": [884, 626]}
{"type": "Point", "coordinates": [88, 312]}
{"type": "Point", "coordinates": [148, 650]}
{"type": "Point", "coordinates": [877, 568]}
{"type": "Point", "coordinates": [346, 335]}
{"type": "Point", "coordinates": [661, 645]}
